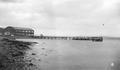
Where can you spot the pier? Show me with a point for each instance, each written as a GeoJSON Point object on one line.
{"type": "Point", "coordinates": [94, 39]}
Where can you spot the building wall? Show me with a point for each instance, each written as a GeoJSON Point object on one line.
{"type": "Point", "coordinates": [1, 31]}
{"type": "Point", "coordinates": [11, 31]}
{"type": "Point", "coordinates": [24, 32]}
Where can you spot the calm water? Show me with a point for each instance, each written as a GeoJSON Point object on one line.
{"type": "Point", "coordinates": [75, 55]}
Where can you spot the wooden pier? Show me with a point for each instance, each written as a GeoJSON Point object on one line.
{"type": "Point", "coordinates": [100, 39]}
{"type": "Point", "coordinates": [94, 39]}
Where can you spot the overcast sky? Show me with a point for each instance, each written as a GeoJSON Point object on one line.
{"type": "Point", "coordinates": [63, 17]}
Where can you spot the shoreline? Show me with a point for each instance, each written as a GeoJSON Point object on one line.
{"type": "Point", "coordinates": [12, 55]}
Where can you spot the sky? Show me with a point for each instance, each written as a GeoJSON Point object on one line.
{"type": "Point", "coordinates": [63, 17]}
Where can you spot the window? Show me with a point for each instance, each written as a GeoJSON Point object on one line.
{"type": "Point", "coordinates": [7, 33]}
{"type": "Point", "coordinates": [29, 31]}
{"type": "Point", "coordinates": [0, 33]}
{"type": "Point", "coordinates": [22, 30]}
{"type": "Point", "coordinates": [32, 31]}
{"type": "Point", "coordinates": [26, 31]}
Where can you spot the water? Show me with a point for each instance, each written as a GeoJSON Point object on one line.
{"type": "Point", "coordinates": [75, 55]}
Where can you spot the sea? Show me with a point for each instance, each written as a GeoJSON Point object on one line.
{"type": "Point", "coordinates": [75, 54]}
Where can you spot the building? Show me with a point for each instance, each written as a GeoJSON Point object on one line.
{"type": "Point", "coordinates": [18, 31]}
{"type": "Point", "coordinates": [1, 31]}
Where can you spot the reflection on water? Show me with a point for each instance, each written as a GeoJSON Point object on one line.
{"type": "Point", "coordinates": [76, 55]}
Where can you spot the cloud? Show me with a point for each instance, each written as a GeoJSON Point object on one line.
{"type": "Point", "coordinates": [26, 14]}
{"type": "Point", "coordinates": [88, 16]}
{"type": "Point", "coordinates": [76, 8]}
{"type": "Point", "coordinates": [78, 17]}
{"type": "Point", "coordinates": [11, 1]}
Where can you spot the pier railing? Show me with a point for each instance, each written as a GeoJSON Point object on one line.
{"type": "Point", "coordinates": [94, 39]}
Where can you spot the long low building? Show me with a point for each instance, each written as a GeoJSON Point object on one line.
{"type": "Point", "coordinates": [18, 31]}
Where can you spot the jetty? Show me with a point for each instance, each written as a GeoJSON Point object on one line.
{"type": "Point", "coordinates": [94, 39]}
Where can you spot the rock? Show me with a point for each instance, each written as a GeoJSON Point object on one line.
{"type": "Point", "coordinates": [31, 64]}
{"type": "Point", "coordinates": [43, 48]}
{"type": "Point", "coordinates": [39, 59]}
{"type": "Point", "coordinates": [33, 54]}
{"type": "Point", "coordinates": [45, 54]}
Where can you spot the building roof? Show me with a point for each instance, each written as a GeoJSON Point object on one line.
{"type": "Point", "coordinates": [21, 28]}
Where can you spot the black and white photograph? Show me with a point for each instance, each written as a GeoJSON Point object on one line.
{"type": "Point", "coordinates": [59, 35]}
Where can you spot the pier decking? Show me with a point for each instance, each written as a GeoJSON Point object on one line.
{"type": "Point", "coordinates": [94, 39]}
{"type": "Point", "coordinates": [100, 39]}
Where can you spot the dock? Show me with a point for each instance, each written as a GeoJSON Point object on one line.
{"type": "Point", "coordinates": [94, 39]}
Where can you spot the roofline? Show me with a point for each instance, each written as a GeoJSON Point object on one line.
{"type": "Point", "coordinates": [22, 28]}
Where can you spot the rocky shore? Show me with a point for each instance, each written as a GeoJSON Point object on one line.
{"type": "Point", "coordinates": [12, 55]}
